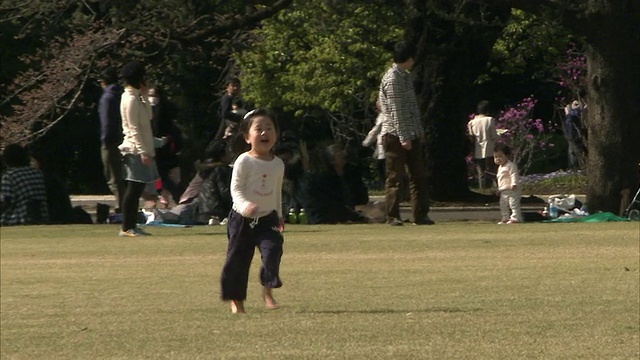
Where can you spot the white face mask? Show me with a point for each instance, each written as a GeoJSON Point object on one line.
{"type": "Point", "coordinates": [154, 100]}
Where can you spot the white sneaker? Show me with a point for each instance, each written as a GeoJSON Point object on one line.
{"type": "Point", "coordinates": [224, 221]}
{"type": "Point", "coordinates": [141, 232]}
{"type": "Point", "coordinates": [128, 233]}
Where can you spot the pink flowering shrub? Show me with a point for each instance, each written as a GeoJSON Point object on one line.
{"type": "Point", "coordinates": [572, 74]}
{"type": "Point", "coordinates": [524, 135]}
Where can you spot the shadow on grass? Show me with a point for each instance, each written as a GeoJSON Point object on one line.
{"type": "Point", "coordinates": [393, 311]}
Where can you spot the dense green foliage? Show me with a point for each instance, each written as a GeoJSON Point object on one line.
{"type": "Point", "coordinates": [324, 60]}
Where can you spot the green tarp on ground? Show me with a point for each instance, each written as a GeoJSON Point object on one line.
{"type": "Point", "coordinates": [597, 217]}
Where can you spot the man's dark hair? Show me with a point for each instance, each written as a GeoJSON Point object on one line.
{"type": "Point", "coordinates": [216, 150]}
{"type": "Point", "coordinates": [134, 73]}
{"type": "Point", "coordinates": [14, 155]}
{"type": "Point", "coordinates": [234, 80]}
{"type": "Point", "coordinates": [403, 51]}
{"type": "Point", "coordinates": [503, 148]}
{"type": "Point", "coordinates": [109, 76]}
{"type": "Point", "coordinates": [484, 108]}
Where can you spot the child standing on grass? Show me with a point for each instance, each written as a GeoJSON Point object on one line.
{"type": "Point", "coordinates": [508, 185]}
{"type": "Point", "coordinates": [256, 217]}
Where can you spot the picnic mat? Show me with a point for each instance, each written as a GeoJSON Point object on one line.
{"type": "Point", "coordinates": [597, 217]}
{"type": "Point", "coordinates": [160, 223]}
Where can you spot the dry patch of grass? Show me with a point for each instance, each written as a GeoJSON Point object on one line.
{"type": "Point", "coordinates": [472, 290]}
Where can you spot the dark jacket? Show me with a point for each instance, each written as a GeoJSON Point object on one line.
{"type": "Point", "coordinates": [110, 119]}
{"type": "Point", "coordinates": [329, 198]}
{"type": "Point", "coordinates": [226, 114]}
{"type": "Point", "coordinates": [164, 126]}
{"type": "Point", "coordinates": [214, 198]}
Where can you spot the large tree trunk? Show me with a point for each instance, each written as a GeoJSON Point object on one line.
{"type": "Point", "coordinates": [452, 51]}
{"type": "Point", "coordinates": [613, 53]}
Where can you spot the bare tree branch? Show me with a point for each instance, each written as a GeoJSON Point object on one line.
{"type": "Point", "coordinates": [236, 22]}
{"type": "Point", "coordinates": [37, 134]}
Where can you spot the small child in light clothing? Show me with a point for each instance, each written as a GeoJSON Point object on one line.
{"type": "Point", "coordinates": [508, 185]}
{"type": "Point", "coordinates": [256, 216]}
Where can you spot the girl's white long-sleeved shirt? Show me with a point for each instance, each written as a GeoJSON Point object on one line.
{"type": "Point", "coordinates": [508, 176]}
{"type": "Point", "coordinates": [257, 181]}
{"type": "Point", "coordinates": [136, 124]}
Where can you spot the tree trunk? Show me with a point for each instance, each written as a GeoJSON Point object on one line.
{"type": "Point", "coordinates": [452, 52]}
{"type": "Point", "coordinates": [613, 53]}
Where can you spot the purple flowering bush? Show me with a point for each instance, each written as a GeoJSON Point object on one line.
{"type": "Point", "coordinates": [524, 135]}
{"type": "Point", "coordinates": [572, 74]}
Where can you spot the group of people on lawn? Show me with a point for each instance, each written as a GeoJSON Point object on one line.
{"type": "Point", "coordinates": [137, 129]}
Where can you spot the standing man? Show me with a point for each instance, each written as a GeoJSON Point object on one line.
{"type": "Point", "coordinates": [403, 137]}
{"type": "Point", "coordinates": [111, 133]}
{"type": "Point", "coordinates": [482, 131]}
{"type": "Point", "coordinates": [573, 132]}
{"type": "Point", "coordinates": [227, 115]}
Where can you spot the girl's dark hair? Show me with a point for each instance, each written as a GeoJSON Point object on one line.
{"type": "Point", "coordinates": [503, 148]}
{"type": "Point", "coordinates": [133, 74]}
{"type": "Point", "coordinates": [239, 145]}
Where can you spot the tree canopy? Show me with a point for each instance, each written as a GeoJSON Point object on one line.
{"type": "Point", "coordinates": [323, 60]}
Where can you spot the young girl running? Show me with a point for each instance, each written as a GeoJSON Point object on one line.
{"type": "Point", "coordinates": [256, 217]}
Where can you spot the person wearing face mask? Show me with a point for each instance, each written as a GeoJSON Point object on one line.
{"type": "Point", "coordinates": [167, 156]}
{"type": "Point", "coordinates": [138, 147]}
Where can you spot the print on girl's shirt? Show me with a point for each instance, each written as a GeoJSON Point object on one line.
{"type": "Point", "coordinates": [263, 188]}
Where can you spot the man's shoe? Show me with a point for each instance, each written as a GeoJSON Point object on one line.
{"type": "Point", "coordinates": [128, 233]}
{"type": "Point", "coordinates": [425, 221]}
{"type": "Point", "coordinates": [395, 222]}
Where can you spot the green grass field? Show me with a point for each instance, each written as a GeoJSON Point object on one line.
{"type": "Point", "coordinates": [451, 291]}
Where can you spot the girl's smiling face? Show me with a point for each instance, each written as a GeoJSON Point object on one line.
{"type": "Point", "coordinates": [262, 135]}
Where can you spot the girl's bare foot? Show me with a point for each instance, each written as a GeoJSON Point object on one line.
{"type": "Point", "coordinates": [237, 307]}
{"type": "Point", "coordinates": [269, 301]}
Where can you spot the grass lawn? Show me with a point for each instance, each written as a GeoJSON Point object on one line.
{"type": "Point", "coordinates": [453, 290]}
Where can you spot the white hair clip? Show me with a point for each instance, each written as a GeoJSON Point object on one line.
{"type": "Point", "coordinates": [248, 114]}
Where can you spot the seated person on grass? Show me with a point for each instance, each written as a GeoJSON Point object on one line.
{"type": "Point", "coordinates": [214, 199]}
{"type": "Point", "coordinates": [208, 195]}
{"type": "Point", "coordinates": [330, 195]}
{"type": "Point", "coordinates": [294, 170]}
{"type": "Point", "coordinates": [23, 195]}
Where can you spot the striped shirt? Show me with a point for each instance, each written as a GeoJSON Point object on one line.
{"type": "Point", "coordinates": [399, 105]}
{"type": "Point", "coordinates": [22, 186]}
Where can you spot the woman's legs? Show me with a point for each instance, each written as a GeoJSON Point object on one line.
{"type": "Point", "coordinates": [130, 204]}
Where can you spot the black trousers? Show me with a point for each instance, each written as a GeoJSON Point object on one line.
{"type": "Point", "coordinates": [244, 235]}
{"type": "Point", "coordinates": [131, 204]}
